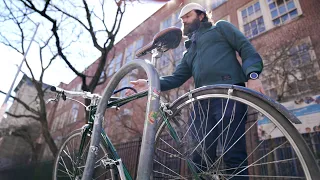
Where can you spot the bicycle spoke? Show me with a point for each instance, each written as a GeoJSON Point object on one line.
{"type": "Point", "coordinates": [219, 139]}
{"type": "Point", "coordinates": [266, 176]}
{"type": "Point", "coordinates": [86, 147]}
{"type": "Point", "coordinates": [69, 157]}
{"type": "Point", "coordinates": [101, 175]}
{"type": "Point", "coordinates": [75, 167]}
{"type": "Point", "coordinates": [66, 167]}
{"type": "Point", "coordinates": [73, 149]}
{"type": "Point", "coordinates": [227, 133]}
{"type": "Point", "coordinates": [169, 169]}
{"type": "Point", "coordinates": [207, 159]}
{"type": "Point", "coordinates": [173, 155]}
{"type": "Point", "coordinates": [165, 174]}
{"type": "Point", "coordinates": [64, 173]}
{"type": "Point", "coordinates": [233, 144]}
{"type": "Point", "coordinates": [271, 162]}
{"type": "Point", "coordinates": [170, 146]}
{"type": "Point", "coordinates": [253, 150]}
{"type": "Point", "coordinates": [261, 158]}
{"type": "Point", "coordinates": [100, 159]}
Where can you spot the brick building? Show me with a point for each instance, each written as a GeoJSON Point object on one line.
{"type": "Point", "coordinates": [285, 33]}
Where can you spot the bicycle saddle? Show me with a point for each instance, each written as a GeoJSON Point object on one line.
{"type": "Point", "coordinates": [163, 41]}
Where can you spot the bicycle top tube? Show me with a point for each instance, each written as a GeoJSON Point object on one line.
{"type": "Point", "coordinates": [113, 102]}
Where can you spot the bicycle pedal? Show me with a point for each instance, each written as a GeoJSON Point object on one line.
{"type": "Point", "coordinates": [109, 163]}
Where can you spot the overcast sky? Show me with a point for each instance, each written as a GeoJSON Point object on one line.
{"type": "Point", "coordinates": [59, 72]}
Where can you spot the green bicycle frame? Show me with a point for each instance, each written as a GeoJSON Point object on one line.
{"type": "Point", "coordinates": [107, 142]}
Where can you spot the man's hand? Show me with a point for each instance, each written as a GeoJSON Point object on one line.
{"type": "Point", "coordinates": [139, 85]}
{"type": "Point", "coordinates": [255, 84]}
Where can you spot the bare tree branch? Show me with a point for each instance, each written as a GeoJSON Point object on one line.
{"type": "Point", "coordinates": [71, 16]}
{"type": "Point", "coordinates": [24, 116]}
{"type": "Point", "coordinates": [46, 6]}
{"type": "Point", "coordinates": [91, 31]}
{"type": "Point", "coordinates": [9, 44]}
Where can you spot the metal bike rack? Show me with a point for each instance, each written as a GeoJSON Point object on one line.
{"type": "Point", "coordinates": [148, 139]}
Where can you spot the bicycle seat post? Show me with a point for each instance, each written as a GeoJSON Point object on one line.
{"type": "Point", "coordinates": [155, 56]}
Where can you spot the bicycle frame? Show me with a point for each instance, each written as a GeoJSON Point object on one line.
{"type": "Point", "coordinates": [147, 147]}
{"type": "Point", "coordinates": [107, 142]}
{"type": "Point", "coordinates": [86, 130]}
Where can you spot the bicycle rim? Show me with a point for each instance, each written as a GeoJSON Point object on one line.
{"type": "Point", "coordinates": [69, 164]}
{"type": "Point", "coordinates": [204, 139]}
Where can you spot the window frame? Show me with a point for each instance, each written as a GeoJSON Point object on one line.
{"type": "Point", "coordinates": [266, 15]}
{"type": "Point", "coordinates": [263, 12]}
{"type": "Point", "coordinates": [134, 49]}
{"type": "Point", "coordinates": [173, 19]}
{"type": "Point", "coordinates": [226, 18]}
{"type": "Point", "coordinates": [216, 3]}
{"type": "Point", "coordinates": [112, 67]}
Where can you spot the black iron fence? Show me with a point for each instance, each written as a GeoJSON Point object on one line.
{"type": "Point", "coordinates": [129, 153]}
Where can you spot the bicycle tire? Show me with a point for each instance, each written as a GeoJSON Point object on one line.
{"type": "Point", "coordinates": [74, 138]}
{"type": "Point", "coordinates": [275, 111]}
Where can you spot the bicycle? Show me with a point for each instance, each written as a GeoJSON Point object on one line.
{"type": "Point", "coordinates": [168, 144]}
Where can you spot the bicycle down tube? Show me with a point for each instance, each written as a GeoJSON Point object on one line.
{"type": "Point", "coordinates": [148, 138]}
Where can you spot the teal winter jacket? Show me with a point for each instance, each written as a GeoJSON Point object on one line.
{"type": "Point", "coordinates": [211, 58]}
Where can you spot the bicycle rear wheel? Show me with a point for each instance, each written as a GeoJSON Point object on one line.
{"type": "Point", "coordinates": [69, 163]}
{"type": "Point", "coordinates": [213, 134]}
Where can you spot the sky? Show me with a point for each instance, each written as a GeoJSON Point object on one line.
{"type": "Point", "coordinates": [58, 71]}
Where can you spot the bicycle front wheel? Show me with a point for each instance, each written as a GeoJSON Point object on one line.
{"type": "Point", "coordinates": [70, 163]}
{"type": "Point", "coordinates": [215, 132]}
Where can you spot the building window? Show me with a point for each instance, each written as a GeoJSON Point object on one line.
{"type": "Point", "coordinates": [253, 23]}
{"type": "Point", "coordinates": [79, 87]}
{"type": "Point", "coordinates": [110, 68]}
{"type": "Point", "coordinates": [299, 55]}
{"type": "Point", "coordinates": [117, 63]}
{"type": "Point", "coordinates": [114, 65]}
{"type": "Point", "coordinates": [74, 112]}
{"type": "Point", "coordinates": [226, 18]}
{"type": "Point", "coordinates": [282, 10]}
{"type": "Point", "coordinates": [129, 56]}
{"type": "Point", "coordinates": [261, 15]}
{"type": "Point", "coordinates": [172, 20]}
{"type": "Point", "coordinates": [102, 76]}
{"type": "Point", "coordinates": [288, 70]}
{"type": "Point", "coordinates": [164, 60]}
{"type": "Point", "coordinates": [166, 23]}
{"type": "Point", "coordinates": [216, 3]}
{"type": "Point", "coordinates": [139, 44]}
{"type": "Point", "coordinates": [132, 49]}
{"type": "Point", "coordinates": [178, 53]}
{"type": "Point", "coordinates": [129, 53]}
{"type": "Point", "coordinates": [176, 20]}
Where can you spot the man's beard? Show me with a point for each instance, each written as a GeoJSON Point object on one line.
{"type": "Point", "coordinates": [190, 28]}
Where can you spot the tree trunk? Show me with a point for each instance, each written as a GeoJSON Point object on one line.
{"type": "Point", "coordinates": [34, 157]}
{"type": "Point", "coordinates": [48, 138]}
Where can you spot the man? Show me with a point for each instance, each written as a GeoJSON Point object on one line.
{"type": "Point", "coordinates": [211, 59]}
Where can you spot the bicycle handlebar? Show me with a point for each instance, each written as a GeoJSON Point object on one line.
{"type": "Point", "coordinates": [83, 94]}
{"type": "Point", "coordinates": [86, 94]}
